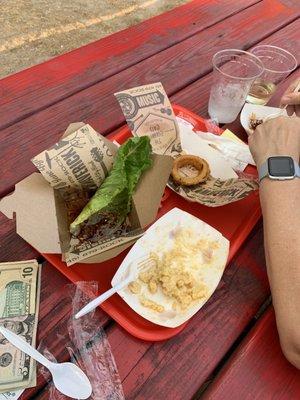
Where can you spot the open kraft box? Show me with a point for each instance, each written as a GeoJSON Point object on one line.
{"type": "Point", "coordinates": [41, 215]}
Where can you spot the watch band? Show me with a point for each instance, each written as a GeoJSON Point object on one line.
{"type": "Point", "coordinates": [297, 169]}
{"type": "Point", "coordinates": [264, 170]}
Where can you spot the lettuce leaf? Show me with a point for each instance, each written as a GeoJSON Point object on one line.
{"type": "Point", "coordinates": [114, 197]}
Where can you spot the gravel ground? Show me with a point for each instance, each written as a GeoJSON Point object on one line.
{"type": "Point", "coordinates": [33, 31]}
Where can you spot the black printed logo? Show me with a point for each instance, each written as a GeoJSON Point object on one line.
{"type": "Point", "coordinates": [131, 104]}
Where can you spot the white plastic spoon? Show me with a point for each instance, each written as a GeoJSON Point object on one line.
{"type": "Point", "coordinates": [69, 379]}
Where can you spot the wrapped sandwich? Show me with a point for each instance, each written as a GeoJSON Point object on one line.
{"type": "Point", "coordinates": [107, 209]}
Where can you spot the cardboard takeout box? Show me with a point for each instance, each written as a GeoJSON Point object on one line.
{"type": "Point", "coordinates": [41, 214]}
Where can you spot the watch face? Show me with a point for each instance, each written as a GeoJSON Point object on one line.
{"type": "Point", "coordinates": [281, 166]}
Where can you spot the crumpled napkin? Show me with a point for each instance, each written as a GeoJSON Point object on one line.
{"type": "Point", "coordinates": [235, 151]}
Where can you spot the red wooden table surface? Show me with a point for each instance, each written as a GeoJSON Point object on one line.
{"type": "Point", "coordinates": [230, 349]}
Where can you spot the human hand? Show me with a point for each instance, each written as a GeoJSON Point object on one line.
{"type": "Point", "coordinates": [276, 137]}
{"type": "Point", "coordinates": [292, 99]}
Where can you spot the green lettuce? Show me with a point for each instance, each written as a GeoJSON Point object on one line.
{"type": "Point", "coordinates": [114, 197]}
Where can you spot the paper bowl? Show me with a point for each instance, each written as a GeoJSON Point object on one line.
{"type": "Point", "coordinates": [158, 238]}
{"type": "Point", "coordinates": [261, 112]}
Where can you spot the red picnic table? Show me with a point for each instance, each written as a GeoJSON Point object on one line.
{"type": "Point", "coordinates": [230, 348]}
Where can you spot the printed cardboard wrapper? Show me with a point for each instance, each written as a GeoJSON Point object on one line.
{"type": "Point", "coordinates": [41, 214]}
{"type": "Point", "coordinates": [148, 112]}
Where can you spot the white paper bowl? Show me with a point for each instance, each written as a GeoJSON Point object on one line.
{"type": "Point", "coordinates": [261, 112]}
{"type": "Point", "coordinates": [158, 238]}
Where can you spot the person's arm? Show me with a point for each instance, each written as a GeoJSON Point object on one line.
{"type": "Point", "coordinates": [280, 202]}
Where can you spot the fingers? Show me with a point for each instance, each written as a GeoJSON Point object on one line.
{"type": "Point", "coordinates": [288, 94]}
{"type": "Point", "coordinates": [292, 86]}
{"type": "Point", "coordinates": [291, 99]}
{"type": "Point", "coordinates": [290, 110]}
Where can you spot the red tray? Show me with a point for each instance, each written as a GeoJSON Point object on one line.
{"type": "Point", "coordinates": [234, 221]}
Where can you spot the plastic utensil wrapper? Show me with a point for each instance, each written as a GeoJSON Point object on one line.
{"type": "Point", "coordinates": [86, 345]}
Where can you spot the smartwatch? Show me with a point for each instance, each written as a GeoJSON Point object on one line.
{"type": "Point", "coordinates": [279, 168]}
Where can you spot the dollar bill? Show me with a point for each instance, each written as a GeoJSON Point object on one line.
{"type": "Point", "coordinates": [13, 395]}
{"type": "Point", "coordinates": [19, 298]}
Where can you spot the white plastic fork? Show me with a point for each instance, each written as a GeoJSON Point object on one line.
{"type": "Point", "coordinates": [144, 262]}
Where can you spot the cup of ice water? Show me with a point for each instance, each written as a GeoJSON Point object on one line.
{"type": "Point", "coordinates": [234, 71]}
{"type": "Point", "coordinates": [278, 64]}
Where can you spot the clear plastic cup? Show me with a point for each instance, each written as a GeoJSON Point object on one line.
{"type": "Point", "coordinates": [234, 71]}
{"type": "Point", "coordinates": [278, 64]}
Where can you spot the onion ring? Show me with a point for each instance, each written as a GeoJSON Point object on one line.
{"type": "Point", "coordinates": [197, 163]}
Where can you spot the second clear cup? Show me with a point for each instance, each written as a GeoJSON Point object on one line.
{"type": "Point", "coordinates": [234, 71]}
{"type": "Point", "coordinates": [278, 64]}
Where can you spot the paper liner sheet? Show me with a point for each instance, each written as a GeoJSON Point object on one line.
{"type": "Point", "coordinates": [215, 192]}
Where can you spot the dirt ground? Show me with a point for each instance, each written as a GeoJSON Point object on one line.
{"type": "Point", "coordinates": [32, 31]}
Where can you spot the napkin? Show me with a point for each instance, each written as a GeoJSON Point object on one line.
{"type": "Point", "coordinates": [193, 144]}
{"type": "Point", "coordinates": [234, 150]}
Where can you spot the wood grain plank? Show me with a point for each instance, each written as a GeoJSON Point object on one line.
{"type": "Point", "coordinates": [29, 91]}
{"type": "Point", "coordinates": [137, 357]}
{"type": "Point", "coordinates": [258, 369]}
{"type": "Point", "coordinates": [176, 368]}
{"type": "Point", "coordinates": [12, 246]}
{"type": "Point", "coordinates": [174, 67]}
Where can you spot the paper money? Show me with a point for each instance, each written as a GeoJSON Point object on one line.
{"type": "Point", "coordinates": [13, 395]}
{"type": "Point", "coordinates": [19, 293]}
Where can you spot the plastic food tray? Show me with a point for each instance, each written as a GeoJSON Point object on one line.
{"type": "Point", "coordinates": [234, 221]}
